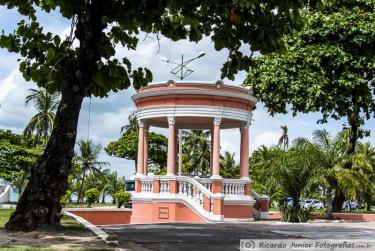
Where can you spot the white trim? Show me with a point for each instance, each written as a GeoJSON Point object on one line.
{"type": "Point", "coordinates": [195, 111]}
{"type": "Point", "coordinates": [259, 215]}
{"type": "Point", "coordinates": [239, 201]}
{"type": "Point", "coordinates": [172, 91]}
{"type": "Point", "coordinates": [259, 197]}
{"type": "Point", "coordinates": [212, 83]}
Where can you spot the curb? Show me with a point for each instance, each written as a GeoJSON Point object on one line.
{"type": "Point", "coordinates": [100, 233]}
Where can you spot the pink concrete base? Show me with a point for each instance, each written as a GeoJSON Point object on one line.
{"type": "Point", "coordinates": [238, 211]}
{"type": "Point", "coordinates": [101, 217]}
{"type": "Point", "coordinates": [163, 212]}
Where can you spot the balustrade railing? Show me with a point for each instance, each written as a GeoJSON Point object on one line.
{"type": "Point", "coordinates": [147, 185]}
{"type": "Point", "coordinates": [206, 182]}
{"type": "Point", "coordinates": [189, 189]}
{"type": "Point", "coordinates": [234, 187]}
{"type": "Point", "coordinates": [164, 186]}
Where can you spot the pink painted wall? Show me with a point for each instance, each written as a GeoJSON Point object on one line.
{"type": "Point", "coordinates": [163, 212]}
{"type": "Point", "coordinates": [238, 211]}
{"type": "Point", "coordinates": [104, 217]}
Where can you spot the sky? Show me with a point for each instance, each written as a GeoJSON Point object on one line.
{"type": "Point", "coordinates": [109, 114]}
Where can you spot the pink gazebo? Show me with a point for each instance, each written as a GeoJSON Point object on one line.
{"type": "Point", "coordinates": [172, 197]}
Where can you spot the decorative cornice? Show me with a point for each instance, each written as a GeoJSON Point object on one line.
{"type": "Point", "coordinates": [173, 91]}
{"type": "Point", "coordinates": [233, 117]}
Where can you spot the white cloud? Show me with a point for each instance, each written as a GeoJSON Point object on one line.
{"type": "Point", "coordinates": [267, 138]}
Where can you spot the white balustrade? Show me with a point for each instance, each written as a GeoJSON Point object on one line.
{"type": "Point", "coordinates": [164, 186]}
{"type": "Point", "coordinates": [193, 191]}
{"type": "Point", "coordinates": [206, 182]}
{"type": "Point", "coordinates": [147, 185]}
{"type": "Point", "coordinates": [234, 187]}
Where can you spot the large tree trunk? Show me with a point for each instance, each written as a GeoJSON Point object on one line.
{"type": "Point", "coordinates": [295, 209]}
{"type": "Point", "coordinates": [329, 215]}
{"type": "Point", "coordinates": [39, 204]}
{"type": "Point", "coordinates": [338, 201]}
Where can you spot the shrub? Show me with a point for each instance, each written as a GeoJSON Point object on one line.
{"type": "Point", "coordinates": [122, 197]}
{"type": "Point", "coordinates": [303, 214]}
{"type": "Point", "coordinates": [66, 197]}
{"type": "Point", "coordinates": [92, 195]}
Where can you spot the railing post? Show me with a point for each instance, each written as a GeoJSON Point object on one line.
{"type": "Point", "coordinates": [138, 185]}
{"type": "Point", "coordinates": [173, 187]}
{"type": "Point", "coordinates": [217, 185]}
{"type": "Point", "coordinates": [156, 186]}
{"type": "Point", "coordinates": [248, 189]}
{"type": "Point", "coordinates": [218, 200]}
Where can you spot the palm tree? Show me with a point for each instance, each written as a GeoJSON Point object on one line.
{"type": "Point", "coordinates": [115, 184]}
{"type": "Point", "coordinates": [196, 151]}
{"type": "Point", "coordinates": [87, 160]}
{"type": "Point", "coordinates": [46, 104]}
{"type": "Point", "coordinates": [131, 126]}
{"type": "Point", "coordinates": [228, 166]}
{"type": "Point", "coordinates": [293, 169]}
{"type": "Point", "coordinates": [284, 139]}
{"type": "Point", "coordinates": [364, 171]}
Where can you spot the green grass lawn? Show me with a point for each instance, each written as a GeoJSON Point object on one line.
{"type": "Point", "coordinates": [66, 221]}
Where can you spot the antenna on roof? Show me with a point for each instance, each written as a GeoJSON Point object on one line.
{"type": "Point", "coordinates": [181, 70]}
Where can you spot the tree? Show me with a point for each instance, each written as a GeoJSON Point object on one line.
{"type": "Point", "coordinates": [262, 172]}
{"type": "Point", "coordinates": [293, 170]}
{"type": "Point", "coordinates": [92, 195]}
{"type": "Point", "coordinates": [228, 166]}
{"type": "Point", "coordinates": [327, 68]}
{"type": "Point", "coordinates": [91, 68]}
{"type": "Point", "coordinates": [115, 184]}
{"type": "Point", "coordinates": [17, 156]}
{"type": "Point", "coordinates": [196, 150]}
{"type": "Point", "coordinates": [87, 159]}
{"type": "Point", "coordinates": [284, 138]}
{"type": "Point", "coordinates": [127, 147]}
{"type": "Point", "coordinates": [46, 104]}
{"type": "Point", "coordinates": [122, 198]}
{"type": "Point", "coordinates": [364, 171]}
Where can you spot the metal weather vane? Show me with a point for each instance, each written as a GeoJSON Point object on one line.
{"type": "Point", "coordinates": [181, 70]}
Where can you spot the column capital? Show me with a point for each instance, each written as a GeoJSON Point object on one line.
{"type": "Point", "coordinates": [141, 123]}
{"type": "Point", "coordinates": [245, 125]}
{"type": "Point", "coordinates": [217, 121]}
{"type": "Point", "coordinates": [171, 120]}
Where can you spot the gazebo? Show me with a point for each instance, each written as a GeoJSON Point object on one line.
{"type": "Point", "coordinates": [172, 197]}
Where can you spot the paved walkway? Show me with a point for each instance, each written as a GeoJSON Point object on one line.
{"type": "Point", "coordinates": [226, 236]}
